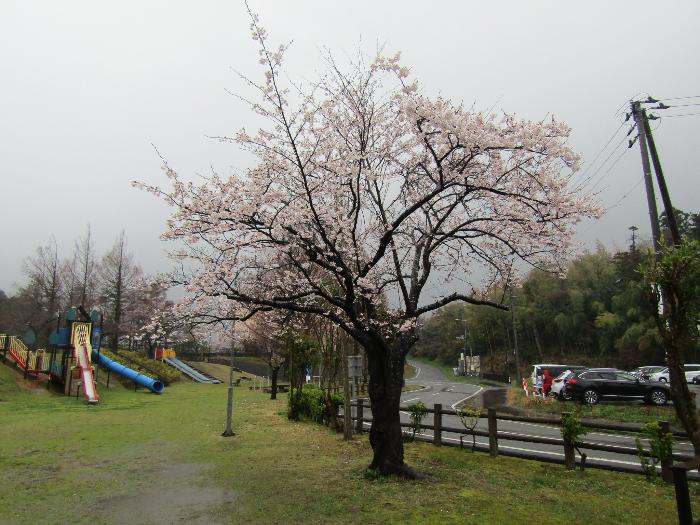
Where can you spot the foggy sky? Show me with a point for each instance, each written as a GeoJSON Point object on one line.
{"type": "Point", "coordinates": [89, 88]}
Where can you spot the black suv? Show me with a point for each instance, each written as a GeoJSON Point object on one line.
{"type": "Point", "coordinates": [593, 384]}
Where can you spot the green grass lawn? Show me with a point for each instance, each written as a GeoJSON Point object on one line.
{"type": "Point", "coordinates": [142, 458]}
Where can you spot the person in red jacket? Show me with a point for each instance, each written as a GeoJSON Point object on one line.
{"type": "Point", "coordinates": [547, 383]}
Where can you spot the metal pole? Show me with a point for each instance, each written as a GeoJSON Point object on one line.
{"type": "Point", "coordinates": [347, 409]}
{"type": "Point", "coordinates": [515, 334]}
{"type": "Point", "coordinates": [229, 404]}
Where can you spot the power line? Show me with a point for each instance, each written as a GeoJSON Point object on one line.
{"type": "Point", "coordinates": [679, 98]}
{"type": "Point", "coordinates": [617, 203]}
{"type": "Point", "coordinates": [624, 104]}
{"type": "Point", "coordinates": [580, 175]}
{"type": "Point", "coordinates": [609, 169]}
{"type": "Point", "coordinates": [636, 185]}
{"type": "Point", "coordinates": [588, 180]}
{"type": "Point", "coordinates": [681, 115]}
{"type": "Point", "coordinates": [683, 105]}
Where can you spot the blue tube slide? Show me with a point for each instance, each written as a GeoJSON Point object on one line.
{"type": "Point", "coordinates": [153, 385]}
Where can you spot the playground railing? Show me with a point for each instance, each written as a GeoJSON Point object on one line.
{"type": "Point", "coordinates": [26, 359]}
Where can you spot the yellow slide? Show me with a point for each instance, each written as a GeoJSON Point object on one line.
{"type": "Point", "coordinates": [80, 338]}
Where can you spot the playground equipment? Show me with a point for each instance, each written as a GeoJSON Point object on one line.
{"type": "Point", "coordinates": [30, 362]}
{"type": "Point", "coordinates": [153, 385]}
{"type": "Point", "coordinates": [69, 361]}
{"type": "Point", "coordinates": [161, 354]}
{"type": "Point", "coordinates": [82, 353]}
{"type": "Point", "coordinates": [191, 371]}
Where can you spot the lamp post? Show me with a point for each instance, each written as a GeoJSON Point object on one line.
{"type": "Point", "coordinates": [229, 393]}
{"type": "Point", "coordinates": [471, 357]}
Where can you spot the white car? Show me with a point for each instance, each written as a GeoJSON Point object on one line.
{"type": "Point", "coordinates": [558, 384]}
{"type": "Point", "coordinates": [691, 371]}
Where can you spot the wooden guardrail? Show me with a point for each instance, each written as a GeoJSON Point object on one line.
{"type": "Point", "coordinates": [669, 471]}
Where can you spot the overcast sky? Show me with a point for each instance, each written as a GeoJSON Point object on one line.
{"type": "Point", "coordinates": [86, 89]}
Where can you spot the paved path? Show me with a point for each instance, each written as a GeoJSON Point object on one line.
{"type": "Point", "coordinates": [436, 388]}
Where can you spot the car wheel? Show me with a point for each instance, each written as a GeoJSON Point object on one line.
{"type": "Point", "coordinates": [590, 397]}
{"type": "Point", "coordinates": [662, 379]}
{"type": "Point", "coordinates": [696, 380]}
{"type": "Point", "coordinates": [658, 397]}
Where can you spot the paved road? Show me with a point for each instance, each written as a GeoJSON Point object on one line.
{"type": "Point", "coordinates": [436, 388]}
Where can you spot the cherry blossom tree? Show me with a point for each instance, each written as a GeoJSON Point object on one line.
{"type": "Point", "coordinates": [264, 335]}
{"type": "Point", "coordinates": [366, 192]}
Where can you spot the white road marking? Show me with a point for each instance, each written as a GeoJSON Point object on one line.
{"type": "Point", "coordinates": [604, 434]}
{"type": "Point", "coordinates": [636, 464]}
{"type": "Point", "coordinates": [468, 397]}
{"type": "Point", "coordinates": [413, 399]}
{"type": "Point", "coordinates": [417, 371]}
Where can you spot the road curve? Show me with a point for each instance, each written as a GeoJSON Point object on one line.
{"type": "Point", "coordinates": [436, 388]}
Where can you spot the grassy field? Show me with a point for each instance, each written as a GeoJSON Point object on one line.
{"type": "Point", "coordinates": [143, 458]}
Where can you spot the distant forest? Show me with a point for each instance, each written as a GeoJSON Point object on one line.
{"type": "Point", "coordinates": [598, 314]}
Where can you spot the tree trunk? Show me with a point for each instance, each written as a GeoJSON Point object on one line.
{"type": "Point", "coordinates": [385, 436]}
{"type": "Point", "coordinates": [491, 350]}
{"type": "Point", "coordinates": [678, 345]}
{"type": "Point", "coordinates": [509, 345]}
{"type": "Point", "coordinates": [273, 377]}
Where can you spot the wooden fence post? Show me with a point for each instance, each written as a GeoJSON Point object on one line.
{"type": "Point", "coordinates": [680, 484]}
{"type": "Point", "coordinates": [493, 429]}
{"type": "Point", "coordinates": [360, 415]}
{"type": "Point", "coordinates": [666, 463]}
{"type": "Point", "coordinates": [437, 424]}
{"type": "Point", "coordinates": [569, 452]}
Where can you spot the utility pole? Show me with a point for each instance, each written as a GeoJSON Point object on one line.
{"type": "Point", "coordinates": [663, 189]}
{"type": "Point", "coordinates": [471, 356]}
{"type": "Point", "coordinates": [648, 183]}
{"type": "Point", "coordinates": [229, 404]}
{"type": "Point", "coordinates": [515, 334]}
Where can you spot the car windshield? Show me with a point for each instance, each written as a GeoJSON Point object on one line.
{"type": "Point", "coordinates": [565, 374]}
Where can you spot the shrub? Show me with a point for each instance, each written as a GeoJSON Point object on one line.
{"type": "Point", "coordinates": [469, 416]}
{"type": "Point", "coordinates": [660, 445]}
{"type": "Point", "coordinates": [312, 405]}
{"type": "Point", "coordinates": [147, 367]}
{"type": "Point", "coordinates": [571, 427]}
{"type": "Point", "coordinates": [417, 412]}
{"type": "Point", "coordinates": [165, 373]}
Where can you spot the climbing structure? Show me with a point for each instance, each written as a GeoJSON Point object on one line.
{"type": "Point", "coordinates": [33, 362]}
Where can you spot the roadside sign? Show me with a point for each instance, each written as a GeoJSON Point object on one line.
{"type": "Point", "coordinates": [355, 365]}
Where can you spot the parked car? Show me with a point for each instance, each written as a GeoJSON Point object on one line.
{"type": "Point", "coordinates": [593, 384]}
{"type": "Point", "coordinates": [645, 372]}
{"type": "Point", "coordinates": [554, 370]}
{"type": "Point", "coordinates": [558, 385]}
{"type": "Point", "coordinates": [691, 370]}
